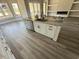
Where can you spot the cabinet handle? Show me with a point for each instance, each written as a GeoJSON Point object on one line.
{"type": "Point", "coordinates": [50, 26]}
{"type": "Point", "coordinates": [38, 26]}
{"type": "Point", "coordinates": [50, 29]}
{"type": "Point", "coordinates": [6, 48]}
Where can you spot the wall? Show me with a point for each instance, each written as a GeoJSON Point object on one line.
{"type": "Point", "coordinates": [22, 8]}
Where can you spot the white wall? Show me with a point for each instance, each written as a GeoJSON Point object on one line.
{"type": "Point", "coordinates": [22, 8]}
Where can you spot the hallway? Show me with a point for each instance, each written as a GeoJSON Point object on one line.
{"type": "Point", "coordinates": [27, 44]}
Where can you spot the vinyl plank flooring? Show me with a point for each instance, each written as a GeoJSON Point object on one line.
{"type": "Point", "coordinates": [27, 44]}
{"type": "Point", "coordinates": [69, 35]}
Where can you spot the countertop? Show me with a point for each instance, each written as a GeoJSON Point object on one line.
{"type": "Point", "coordinates": [56, 23]}
{"type": "Point", "coordinates": [8, 20]}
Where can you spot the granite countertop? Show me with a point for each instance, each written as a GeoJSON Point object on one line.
{"type": "Point", "coordinates": [8, 20]}
{"type": "Point", "coordinates": [56, 23]}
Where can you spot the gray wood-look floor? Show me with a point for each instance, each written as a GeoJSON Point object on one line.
{"type": "Point", "coordinates": [69, 35]}
{"type": "Point", "coordinates": [27, 44]}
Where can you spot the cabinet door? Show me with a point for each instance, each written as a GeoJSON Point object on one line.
{"type": "Point", "coordinates": [50, 31]}
{"type": "Point", "coordinates": [40, 27]}
{"type": "Point", "coordinates": [43, 28]}
{"type": "Point", "coordinates": [37, 27]}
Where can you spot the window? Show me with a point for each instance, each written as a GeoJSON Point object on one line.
{"type": "Point", "coordinates": [34, 9]}
{"type": "Point", "coordinates": [5, 9]}
{"type": "Point", "coordinates": [31, 10]}
{"type": "Point", "coordinates": [16, 9]}
{"type": "Point", "coordinates": [1, 14]}
{"type": "Point", "coordinates": [39, 11]}
{"type": "Point", "coordinates": [44, 8]}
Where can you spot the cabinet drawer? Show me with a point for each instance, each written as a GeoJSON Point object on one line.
{"type": "Point", "coordinates": [50, 27]}
{"type": "Point", "coordinates": [50, 31]}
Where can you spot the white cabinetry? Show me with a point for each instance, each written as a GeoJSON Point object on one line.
{"type": "Point", "coordinates": [40, 27]}
{"type": "Point", "coordinates": [47, 29]}
{"type": "Point", "coordinates": [50, 30]}
{"type": "Point", "coordinates": [43, 28]}
{"type": "Point", "coordinates": [37, 27]}
{"type": "Point", "coordinates": [56, 32]}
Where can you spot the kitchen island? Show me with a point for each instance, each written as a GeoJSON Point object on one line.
{"type": "Point", "coordinates": [48, 28]}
